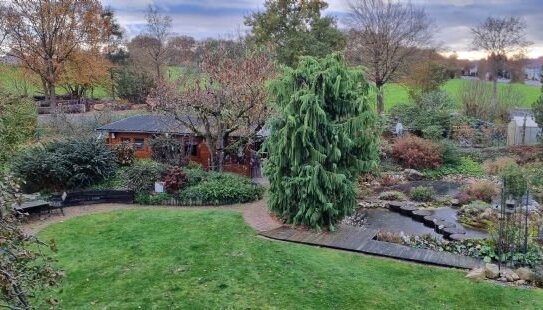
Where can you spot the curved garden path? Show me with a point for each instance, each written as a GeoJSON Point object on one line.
{"type": "Point", "coordinates": [254, 213]}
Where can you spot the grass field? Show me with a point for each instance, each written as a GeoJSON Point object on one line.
{"type": "Point", "coordinates": [190, 259]}
{"type": "Point", "coordinates": [396, 93]}
{"type": "Point", "coordinates": [8, 75]}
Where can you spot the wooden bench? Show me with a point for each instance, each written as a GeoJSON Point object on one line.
{"type": "Point", "coordinates": [37, 206]}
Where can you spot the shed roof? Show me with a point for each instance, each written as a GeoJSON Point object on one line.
{"type": "Point", "coordinates": [530, 122]}
{"type": "Point", "coordinates": [156, 124]}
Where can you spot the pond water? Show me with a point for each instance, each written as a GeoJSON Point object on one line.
{"type": "Point", "coordinates": [385, 220]}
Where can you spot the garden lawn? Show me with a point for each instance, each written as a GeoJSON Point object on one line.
{"type": "Point", "coordinates": [195, 259]}
{"type": "Point", "coordinates": [396, 93]}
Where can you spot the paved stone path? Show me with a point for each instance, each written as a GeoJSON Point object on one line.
{"type": "Point", "coordinates": [362, 240]}
{"type": "Point", "coordinates": [255, 214]}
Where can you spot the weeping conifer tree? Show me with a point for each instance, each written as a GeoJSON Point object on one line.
{"type": "Point", "coordinates": [324, 136]}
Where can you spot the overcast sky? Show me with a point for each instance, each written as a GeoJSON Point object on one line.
{"type": "Point", "coordinates": [453, 18]}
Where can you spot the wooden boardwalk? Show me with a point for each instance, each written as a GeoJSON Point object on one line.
{"type": "Point", "coordinates": [362, 240]}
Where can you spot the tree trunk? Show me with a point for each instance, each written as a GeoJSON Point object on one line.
{"type": "Point", "coordinates": [380, 99]}
{"type": "Point", "coordinates": [211, 145]}
{"type": "Point", "coordinates": [52, 96]}
{"type": "Point", "coordinates": [495, 92]}
{"type": "Point", "coordinates": [158, 74]}
{"type": "Point", "coordinates": [50, 81]}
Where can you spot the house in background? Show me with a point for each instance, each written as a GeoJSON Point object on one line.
{"type": "Point", "coordinates": [139, 130]}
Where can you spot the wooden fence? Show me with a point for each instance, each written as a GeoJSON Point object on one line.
{"type": "Point", "coordinates": [94, 197]}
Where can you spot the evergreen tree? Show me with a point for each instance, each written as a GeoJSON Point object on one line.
{"type": "Point", "coordinates": [537, 107]}
{"type": "Point", "coordinates": [324, 136]}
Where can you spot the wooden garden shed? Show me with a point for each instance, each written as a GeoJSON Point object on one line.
{"type": "Point", "coordinates": [139, 130]}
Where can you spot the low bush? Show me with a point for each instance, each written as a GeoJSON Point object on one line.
{"type": "Point", "coordinates": [475, 214]}
{"type": "Point", "coordinates": [414, 152]}
{"type": "Point", "coordinates": [393, 196]}
{"type": "Point", "coordinates": [116, 181]}
{"type": "Point", "coordinates": [221, 188]}
{"type": "Point", "coordinates": [496, 166]}
{"type": "Point", "coordinates": [422, 193]}
{"type": "Point", "coordinates": [175, 180]}
{"type": "Point", "coordinates": [195, 175]}
{"type": "Point", "coordinates": [389, 236]}
{"type": "Point", "coordinates": [390, 180]}
{"type": "Point", "coordinates": [143, 174]}
{"type": "Point", "coordinates": [516, 181]}
{"type": "Point", "coordinates": [125, 154]}
{"type": "Point", "coordinates": [64, 165]}
{"type": "Point", "coordinates": [466, 167]}
{"type": "Point", "coordinates": [450, 155]}
{"type": "Point", "coordinates": [482, 190]}
{"type": "Point", "coordinates": [433, 132]}
{"type": "Point", "coordinates": [538, 276]}
{"type": "Point", "coordinates": [526, 153]}
{"type": "Point", "coordinates": [159, 198]}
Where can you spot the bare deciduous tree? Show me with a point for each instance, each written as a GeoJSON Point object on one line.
{"type": "Point", "coordinates": [44, 34]}
{"type": "Point", "coordinates": [158, 31]}
{"type": "Point", "coordinates": [182, 50]}
{"type": "Point", "coordinates": [384, 36]}
{"type": "Point", "coordinates": [499, 38]}
{"type": "Point", "coordinates": [229, 97]}
{"type": "Point", "coordinates": [3, 25]}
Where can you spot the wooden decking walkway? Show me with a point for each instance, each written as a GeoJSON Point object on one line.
{"type": "Point", "coordinates": [362, 240]}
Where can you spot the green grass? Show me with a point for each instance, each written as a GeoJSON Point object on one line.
{"type": "Point", "coordinates": [396, 93]}
{"type": "Point", "coordinates": [189, 259]}
{"type": "Point", "coordinates": [8, 72]}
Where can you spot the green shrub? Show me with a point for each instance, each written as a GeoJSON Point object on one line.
{"type": "Point", "coordinates": [159, 198]}
{"type": "Point", "coordinates": [143, 174]}
{"type": "Point", "coordinates": [18, 122]}
{"type": "Point", "coordinates": [195, 175]}
{"type": "Point", "coordinates": [422, 193]}
{"type": "Point", "coordinates": [221, 188]}
{"type": "Point", "coordinates": [116, 181]}
{"type": "Point", "coordinates": [393, 195]}
{"type": "Point", "coordinates": [65, 165]}
{"type": "Point", "coordinates": [433, 132]}
{"type": "Point", "coordinates": [125, 154]}
{"type": "Point", "coordinates": [467, 167]}
{"type": "Point", "coordinates": [142, 198]}
{"type": "Point", "coordinates": [450, 155]}
{"type": "Point", "coordinates": [133, 85]}
{"type": "Point", "coordinates": [516, 182]}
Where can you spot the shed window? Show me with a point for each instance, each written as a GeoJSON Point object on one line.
{"type": "Point", "coordinates": [191, 149]}
{"type": "Point", "coordinates": [138, 143]}
{"type": "Point", "coordinates": [126, 140]}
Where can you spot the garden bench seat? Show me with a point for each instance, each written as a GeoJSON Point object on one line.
{"type": "Point", "coordinates": [37, 206]}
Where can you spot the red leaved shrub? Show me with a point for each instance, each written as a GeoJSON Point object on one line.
{"type": "Point", "coordinates": [175, 180]}
{"type": "Point", "coordinates": [415, 152]}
